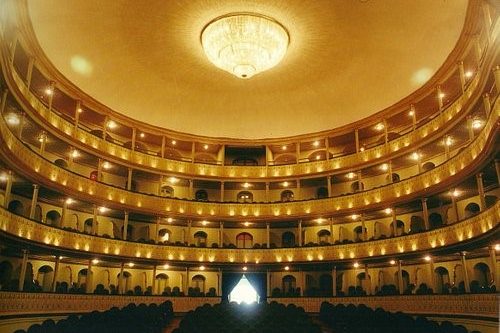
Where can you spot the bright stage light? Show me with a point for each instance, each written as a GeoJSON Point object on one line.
{"type": "Point", "coordinates": [244, 292]}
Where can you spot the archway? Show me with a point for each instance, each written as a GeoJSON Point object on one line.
{"type": "Point", "coordinates": [288, 239]}
{"type": "Point", "coordinates": [325, 285]}
{"type": "Point", "coordinates": [482, 274]}
{"type": "Point", "coordinates": [198, 283]}
{"type": "Point", "coordinates": [16, 207]}
{"type": "Point", "coordinates": [286, 196]}
{"type": "Point", "coordinates": [127, 281]}
{"type": "Point", "coordinates": [244, 197]}
{"type": "Point", "coordinates": [200, 238]}
{"type": "Point", "coordinates": [435, 220]}
{"type": "Point", "coordinates": [322, 193]}
{"type": "Point", "coordinates": [53, 218]}
{"type": "Point", "coordinates": [324, 236]}
{"type": "Point", "coordinates": [244, 240]}
{"type": "Point", "coordinates": [288, 284]}
{"type": "Point", "coordinates": [442, 278]}
{"type": "Point", "coordinates": [201, 195]}
{"type": "Point", "coordinates": [6, 270]}
{"type": "Point", "coordinates": [471, 209]}
{"type": "Point", "coordinates": [416, 224]}
{"type": "Point", "coordinates": [61, 163]}
{"type": "Point", "coordinates": [161, 283]}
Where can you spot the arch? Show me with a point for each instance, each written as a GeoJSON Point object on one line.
{"type": "Point", "coordinates": [322, 193]}
{"type": "Point", "coordinates": [130, 231]}
{"type": "Point", "coordinates": [16, 207]}
{"type": "Point", "coordinates": [400, 228]}
{"type": "Point", "coordinates": [395, 178]}
{"type": "Point", "coordinates": [406, 279]}
{"type": "Point", "coordinates": [288, 239]}
{"type": "Point", "coordinates": [435, 220]}
{"type": "Point", "coordinates": [244, 240]}
{"type": "Point", "coordinates": [82, 278]}
{"type": "Point", "coordinates": [482, 275]}
{"type": "Point", "coordinates": [198, 281]}
{"type": "Point", "coordinates": [286, 196]}
{"type": "Point", "coordinates": [201, 195]}
{"type": "Point", "coordinates": [317, 155]}
{"type": "Point", "coordinates": [164, 235]}
{"type": "Point", "coordinates": [6, 270]}
{"type": "Point", "coordinates": [427, 166]}
{"type": "Point", "coordinates": [458, 275]}
{"type": "Point", "coordinates": [380, 230]}
{"type": "Point", "coordinates": [416, 224]}
{"type": "Point", "coordinates": [244, 196]}
{"type": "Point", "coordinates": [167, 191]}
{"type": "Point", "coordinates": [310, 282]}
{"type": "Point", "coordinates": [471, 209]}
{"type": "Point", "coordinates": [245, 161]}
{"type": "Point", "coordinates": [104, 277]}
{"type": "Point", "coordinates": [53, 218]}
{"type": "Point", "coordinates": [361, 280]}
{"type": "Point", "coordinates": [285, 159]}
{"type": "Point", "coordinates": [324, 236]}
{"type": "Point", "coordinates": [87, 225]}
{"type": "Point", "coordinates": [205, 158]}
{"type": "Point", "coordinates": [358, 233]}
{"type": "Point", "coordinates": [161, 283]}
{"type": "Point", "coordinates": [171, 153]}
{"type": "Point", "coordinates": [442, 278]}
{"type": "Point", "coordinates": [357, 186]}
{"type": "Point", "coordinates": [289, 283]}
{"type": "Point", "coordinates": [127, 281]}
{"type": "Point", "coordinates": [200, 238]}
{"type": "Point", "coordinates": [61, 163]}
{"type": "Point", "coordinates": [44, 277]}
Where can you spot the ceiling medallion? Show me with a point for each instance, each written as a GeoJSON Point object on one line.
{"type": "Point", "coordinates": [244, 44]}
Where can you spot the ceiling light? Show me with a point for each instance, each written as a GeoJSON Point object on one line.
{"type": "Point", "coordinates": [318, 157]}
{"type": "Point", "coordinates": [79, 110]}
{"type": "Point", "coordinates": [166, 266]}
{"type": "Point", "coordinates": [204, 222]}
{"type": "Point", "coordinates": [130, 264]}
{"type": "Point", "coordinates": [455, 193]}
{"type": "Point", "coordinates": [285, 184]}
{"type": "Point", "coordinates": [362, 149]}
{"type": "Point", "coordinates": [169, 220]}
{"type": "Point", "coordinates": [287, 268]}
{"type": "Point", "coordinates": [415, 156]}
{"type": "Point", "coordinates": [142, 135]}
{"type": "Point", "coordinates": [102, 209]}
{"type": "Point", "coordinates": [13, 119]}
{"type": "Point", "coordinates": [388, 211]}
{"type": "Point", "coordinates": [74, 153]}
{"type": "Point", "coordinates": [350, 175]}
{"type": "Point", "coordinates": [244, 44]}
{"type": "Point", "coordinates": [468, 74]}
{"type": "Point", "coordinates": [3, 177]}
{"type": "Point", "coordinates": [245, 268]}
{"type": "Point", "coordinates": [205, 147]}
{"type": "Point", "coordinates": [392, 262]}
{"type": "Point", "coordinates": [202, 268]}
{"type": "Point", "coordinates": [49, 91]}
{"type": "Point", "coordinates": [174, 142]}
{"type": "Point", "coordinates": [448, 141]}
{"type": "Point", "coordinates": [497, 247]}
{"type": "Point", "coordinates": [441, 95]}
{"type": "Point", "coordinates": [283, 147]}
{"type": "Point", "coordinates": [316, 143]}
{"type": "Point", "coordinates": [246, 224]}
{"type": "Point", "coordinates": [69, 201]}
{"type": "Point", "coordinates": [246, 185]}
{"type": "Point", "coordinates": [379, 126]}
{"type": "Point", "coordinates": [173, 180]}
{"type": "Point", "coordinates": [95, 261]}
{"type": "Point", "coordinates": [356, 265]}
{"type": "Point", "coordinates": [427, 258]}
{"type": "Point", "coordinates": [384, 167]}
{"type": "Point", "coordinates": [111, 124]}
{"type": "Point", "coordinates": [354, 216]}
{"type": "Point", "coordinates": [411, 113]}
{"type": "Point", "coordinates": [477, 123]}
{"type": "Point", "coordinates": [106, 165]}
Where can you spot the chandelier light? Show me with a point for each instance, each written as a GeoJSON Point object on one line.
{"type": "Point", "coordinates": [244, 44]}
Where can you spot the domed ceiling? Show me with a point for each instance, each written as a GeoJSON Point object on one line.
{"type": "Point", "coordinates": [346, 60]}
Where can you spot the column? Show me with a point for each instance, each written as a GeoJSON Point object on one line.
{"type": "Point", "coordinates": [88, 280]}
{"type": "Point", "coordinates": [386, 132]}
{"type": "Point", "coordinates": [221, 234]}
{"type": "Point", "coordinates": [432, 275]}
{"type": "Point", "coordinates": [191, 189]}
{"type": "Point", "coordinates": [364, 232]}
{"type": "Point", "coordinates": [64, 212]}
{"type": "Point", "coordinates": [120, 280]}
{"type": "Point", "coordinates": [34, 200]}
{"type": "Point", "coordinates": [125, 226]}
{"type": "Point", "coordinates": [487, 104]}
{"type": "Point", "coordinates": [331, 230]}
{"type": "Point", "coordinates": [496, 73]}
{"type": "Point", "coordinates": [389, 172]}
{"type": "Point", "coordinates": [455, 206]}
{"type": "Point", "coordinates": [497, 169]}
{"type": "Point", "coordinates": [188, 236]}
{"type": "Point", "coordinates": [29, 72]}
{"type": "Point", "coordinates": [223, 155]}
{"type": "Point", "coordinates": [494, 269]}
{"type": "Point", "coordinates": [22, 275]}
{"type": "Point", "coordinates": [329, 185]}
{"type": "Point", "coordinates": [465, 271]}
{"type": "Point", "coordinates": [302, 283]}
{"type": "Point", "coordinates": [105, 127]}
{"type": "Point", "coordinates": [186, 282]}
{"type": "Point", "coordinates": [219, 283]}
{"type": "Point", "coordinates": [221, 191]}
{"type": "Point", "coordinates": [297, 152]}
{"type": "Point", "coordinates": [413, 115]}
{"type": "Point", "coordinates": [129, 179]}
{"type": "Point", "coordinates": [134, 138]}
{"type": "Point", "coordinates": [163, 144]}
{"type": "Point", "coordinates": [78, 110]}
{"type": "Point", "coordinates": [470, 128]}
{"type": "Point", "coordinates": [94, 221]}
{"type": "Point", "coordinates": [327, 148]}
{"type": "Point", "coordinates": [356, 139]}
{"type": "Point", "coordinates": [461, 72]}
{"type": "Point", "coordinates": [425, 212]}
{"type": "Point", "coordinates": [157, 229]}
{"type": "Point", "coordinates": [300, 232]}
{"type": "Point", "coordinates": [361, 186]}
{"type": "Point", "coordinates": [268, 281]}
{"type": "Point", "coordinates": [446, 147]}
{"type": "Point", "coordinates": [43, 141]}
{"type": "Point", "coordinates": [8, 189]}
{"type": "Point", "coordinates": [56, 271]}
{"type": "Point", "coordinates": [480, 189]}
{"type": "Point", "coordinates": [394, 221]}
{"type": "Point", "coordinates": [400, 277]}
{"type": "Point", "coordinates": [268, 235]}
{"type": "Point", "coordinates": [193, 151]}
{"type": "Point", "coordinates": [334, 281]}
{"type": "Point", "coordinates": [99, 170]}
{"type": "Point", "coordinates": [21, 126]}
{"type": "Point", "coordinates": [51, 95]}
{"type": "Point", "coordinates": [297, 195]}
{"type": "Point", "coordinates": [440, 97]}
{"type": "Point", "coordinates": [153, 283]}
{"type": "Point", "coordinates": [267, 191]}
{"type": "Point", "coordinates": [368, 281]}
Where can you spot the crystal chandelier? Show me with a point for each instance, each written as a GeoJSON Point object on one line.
{"type": "Point", "coordinates": [244, 44]}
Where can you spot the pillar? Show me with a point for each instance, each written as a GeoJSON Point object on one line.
{"type": "Point", "coordinates": [163, 144]}
{"type": "Point", "coordinates": [219, 283]}
{"type": "Point", "coordinates": [327, 148]}
{"type": "Point", "coordinates": [94, 221]}
{"type": "Point", "coordinates": [267, 192]}
{"type": "Point", "coordinates": [368, 281]}
{"type": "Point", "coordinates": [425, 212]}
{"type": "Point", "coordinates": [191, 189]}
{"type": "Point", "coordinates": [455, 207]}
{"type": "Point", "coordinates": [193, 151]}
{"type": "Point", "coordinates": [440, 98]}
{"type": "Point", "coordinates": [88, 280]}
{"type": "Point", "coordinates": [300, 232]}
{"type": "Point", "coordinates": [480, 190]}
{"type": "Point", "coordinates": [466, 272]}
{"type": "Point", "coordinates": [497, 169]}
{"type": "Point", "coordinates": [496, 73]}
{"type": "Point", "coordinates": [331, 230]}
{"type": "Point", "coordinates": [21, 126]}
{"type": "Point", "coordinates": [487, 104]}
{"type": "Point", "coordinates": [43, 141]}
{"type": "Point", "coordinates": [297, 152]}
{"type": "Point", "coordinates": [134, 138]}
{"type": "Point", "coordinates": [56, 271]}
{"type": "Point", "coordinates": [389, 172]}
{"type": "Point", "coordinates": [188, 236]}
{"type": "Point", "coordinates": [364, 232]}
{"type": "Point", "coordinates": [334, 281]}
{"type": "Point", "coordinates": [221, 234]}
{"type": "Point", "coordinates": [268, 235]}
{"type": "Point", "coordinates": [78, 110]}
{"type": "Point", "coordinates": [99, 170]}
{"type": "Point", "coordinates": [400, 277]}
{"type": "Point", "coordinates": [432, 276]}
{"type": "Point", "coordinates": [157, 229]}
{"type": "Point", "coordinates": [22, 275]}
{"type": "Point", "coordinates": [8, 189]}
{"type": "Point", "coordinates": [120, 280]}
{"type": "Point", "coordinates": [298, 195]}
{"type": "Point", "coordinates": [51, 95]}
{"type": "Point", "coordinates": [153, 283]}
{"type": "Point", "coordinates": [221, 191]}
{"type": "Point", "coordinates": [446, 147]}
{"type": "Point", "coordinates": [361, 185]}
{"type": "Point", "coordinates": [470, 129]}
{"type": "Point", "coordinates": [186, 282]}
{"type": "Point", "coordinates": [105, 127]}
{"type": "Point", "coordinates": [329, 185]}
{"type": "Point", "coordinates": [64, 212]}
{"type": "Point", "coordinates": [29, 72]}
{"type": "Point", "coordinates": [302, 283]}
{"type": "Point", "coordinates": [413, 115]}
{"type": "Point", "coordinates": [461, 73]}
{"type": "Point", "coordinates": [34, 200]}
{"type": "Point", "coordinates": [268, 281]}
{"type": "Point", "coordinates": [129, 179]}
{"type": "Point", "coordinates": [356, 139]}
{"type": "Point", "coordinates": [125, 226]}
{"type": "Point", "coordinates": [494, 269]}
{"type": "Point", "coordinates": [394, 222]}
{"type": "Point", "coordinates": [386, 132]}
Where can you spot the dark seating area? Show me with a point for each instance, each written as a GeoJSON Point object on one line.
{"type": "Point", "coordinates": [243, 318]}
{"type": "Point", "coordinates": [133, 318]}
{"type": "Point", "coordinates": [362, 319]}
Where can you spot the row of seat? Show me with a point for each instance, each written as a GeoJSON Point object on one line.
{"type": "Point", "coordinates": [132, 318]}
